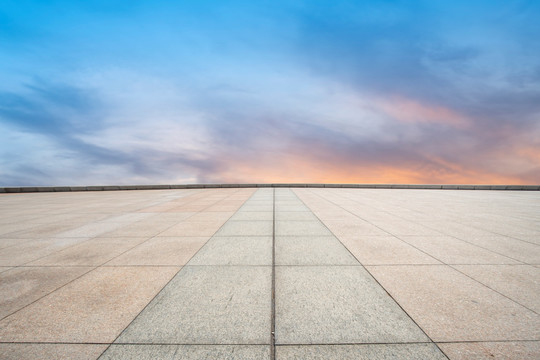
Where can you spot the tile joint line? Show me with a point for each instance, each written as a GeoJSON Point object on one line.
{"type": "Point", "coordinates": [273, 326]}
{"type": "Point", "coordinates": [370, 274]}
{"type": "Point", "coordinates": [168, 282]}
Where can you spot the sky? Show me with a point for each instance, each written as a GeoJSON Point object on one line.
{"type": "Point", "coordinates": [173, 92]}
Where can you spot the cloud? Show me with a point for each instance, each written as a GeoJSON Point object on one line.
{"type": "Point", "coordinates": [417, 54]}
{"type": "Point", "coordinates": [411, 111]}
{"type": "Point", "coordinates": [215, 138]}
{"type": "Point", "coordinates": [71, 134]}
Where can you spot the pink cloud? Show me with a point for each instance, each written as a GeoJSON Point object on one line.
{"type": "Point", "coordinates": [408, 110]}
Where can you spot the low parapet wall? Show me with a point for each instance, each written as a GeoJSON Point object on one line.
{"type": "Point", "coordinates": [29, 189]}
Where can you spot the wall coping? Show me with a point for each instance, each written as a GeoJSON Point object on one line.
{"type": "Point", "coordinates": [32, 189]}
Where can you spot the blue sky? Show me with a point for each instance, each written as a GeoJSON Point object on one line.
{"type": "Point", "coordinates": [145, 92]}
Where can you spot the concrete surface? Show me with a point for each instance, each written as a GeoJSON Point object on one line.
{"type": "Point", "coordinates": [270, 273]}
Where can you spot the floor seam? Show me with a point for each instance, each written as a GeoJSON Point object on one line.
{"type": "Point", "coordinates": [374, 279]}
{"type": "Point", "coordinates": [452, 266]}
{"type": "Point", "coordinates": [273, 322]}
{"type": "Point", "coordinates": [168, 282]}
{"type": "Point", "coordinates": [433, 228]}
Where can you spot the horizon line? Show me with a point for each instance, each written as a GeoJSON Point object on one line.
{"type": "Point", "coordinates": [32, 189]}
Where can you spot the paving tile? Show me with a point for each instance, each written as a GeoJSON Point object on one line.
{"type": "Point", "coordinates": [456, 229]}
{"type": "Point", "coordinates": [144, 229]}
{"type": "Point", "coordinates": [352, 228]}
{"type": "Point", "coordinates": [338, 216]}
{"type": "Point", "coordinates": [285, 194]}
{"type": "Point", "coordinates": [354, 352]}
{"type": "Point", "coordinates": [187, 208]}
{"type": "Point", "coordinates": [95, 308]}
{"type": "Point", "coordinates": [396, 226]}
{"type": "Point", "coordinates": [246, 228]}
{"type": "Point", "coordinates": [521, 283]}
{"type": "Point", "coordinates": [129, 217]}
{"type": "Point", "coordinates": [188, 228]}
{"type": "Point", "coordinates": [7, 242]}
{"type": "Point", "coordinates": [295, 216]}
{"type": "Point", "coordinates": [249, 207]}
{"type": "Point", "coordinates": [208, 305]}
{"type": "Point", "coordinates": [10, 218]}
{"type": "Point", "coordinates": [337, 304]}
{"type": "Point", "coordinates": [379, 250]}
{"type": "Point", "coordinates": [454, 251]}
{"type": "Point", "coordinates": [267, 201]}
{"type": "Point", "coordinates": [212, 216]}
{"type": "Point", "coordinates": [519, 250]}
{"type": "Point", "coordinates": [534, 239]}
{"type": "Point", "coordinates": [291, 207]}
{"type": "Point", "coordinates": [253, 215]}
{"type": "Point", "coordinates": [51, 351]}
{"type": "Point", "coordinates": [510, 227]}
{"type": "Point", "coordinates": [492, 350]}
{"type": "Point", "coordinates": [21, 286]}
{"type": "Point", "coordinates": [32, 250]}
{"type": "Point", "coordinates": [288, 201]}
{"type": "Point", "coordinates": [312, 250]}
{"type": "Point", "coordinates": [162, 251]}
{"type": "Point", "coordinates": [244, 250]}
{"type": "Point", "coordinates": [449, 306]}
{"type": "Point", "coordinates": [93, 252]}
{"type": "Point", "coordinates": [163, 208]}
{"type": "Point", "coordinates": [222, 208]}
{"type": "Point", "coordinates": [8, 229]}
{"type": "Point", "coordinates": [259, 197]}
{"type": "Point", "coordinates": [191, 352]}
{"type": "Point", "coordinates": [169, 218]}
{"type": "Point", "coordinates": [91, 230]}
{"type": "Point", "coordinates": [233, 202]}
{"type": "Point", "coordinates": [47, 230]}
{"type": "Point", "coordinates": [301, 228]}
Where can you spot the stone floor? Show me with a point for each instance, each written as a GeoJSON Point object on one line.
{"type": "Point", "coordinates": [270, 273]}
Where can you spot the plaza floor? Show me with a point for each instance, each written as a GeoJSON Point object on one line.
{"type": "Point", "coordinates": [270, 273]}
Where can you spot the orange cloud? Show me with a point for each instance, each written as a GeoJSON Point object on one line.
{"type": "Point", "coordinates": [303, 168]}
{"type": "Point", "coordinates": [530, 153]}
{"type": "Point", "coordinates": [411, 111]}
{"type": "Point", "coordinates": [295, 157]}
